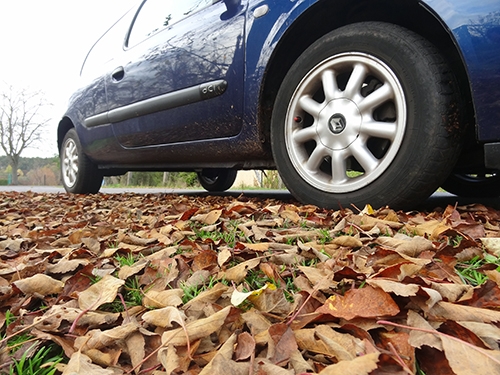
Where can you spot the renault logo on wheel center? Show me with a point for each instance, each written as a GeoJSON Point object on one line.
{"type": "Point", "coordinates": [337, 123]}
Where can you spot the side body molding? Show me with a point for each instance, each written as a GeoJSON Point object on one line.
{"type": "Point", "coordinates": [163, 102]}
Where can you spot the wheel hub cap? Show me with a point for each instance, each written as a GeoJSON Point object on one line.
{"type": "Point", "coordinates": [339, 124]}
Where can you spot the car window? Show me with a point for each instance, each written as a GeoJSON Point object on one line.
{"type": "Point", "coordinates": [155, 15]}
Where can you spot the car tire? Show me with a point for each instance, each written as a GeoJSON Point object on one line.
{"type": "Point", "coordinates": [484, 185]}
{"type": "Point", "coordinates": [217, 179]}
{"type": "Point", "coordinates": [368, 114]}
{"type": "Point", "coordinates": [79, 175]}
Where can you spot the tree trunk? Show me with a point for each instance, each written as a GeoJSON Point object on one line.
{"type": "Point", "coordinates": [14, 163]}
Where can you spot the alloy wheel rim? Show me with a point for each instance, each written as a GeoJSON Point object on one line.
{"type": "Point", "coordinates": [70, 163]}
{"type": "Point", "coordinates": [345, 122]}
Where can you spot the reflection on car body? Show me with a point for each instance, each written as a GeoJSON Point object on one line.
{"type": "Point", "coordinates": [353, 102]}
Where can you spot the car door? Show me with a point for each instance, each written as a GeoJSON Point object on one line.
{"type": "Point", "coordinates": [180, 76]}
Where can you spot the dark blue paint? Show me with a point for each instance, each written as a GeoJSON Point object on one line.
{"type": "Point", "coordinates": [230, 130]}
{"type": "Point", "coordinates": [476, 28]}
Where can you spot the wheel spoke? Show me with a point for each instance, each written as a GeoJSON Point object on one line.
{"type": "Point", "coordinates": [355, 81]}
{"type": "Point", "coordinates": [363, 156]}
{"type": "Point", "coordinates": [339, 171]}
{"type": "Point", "coordinates": [310, 105]}
{"type": "Point", "coordinates": [315, 159]}
{"type": "Point", "coordinates": [376, 98]}
{"type": "Point", "coordinates": [304, 135]}
{"type": "Point", "coordinates": [329, 84]}
{"type": "Point", "coordinates": [379, 129]}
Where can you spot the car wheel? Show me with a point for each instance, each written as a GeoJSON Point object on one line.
{"type": "Point", "coordinates": [217, 179]}
{"type": "Point", "coordinates": [483, 185]}
{"type": "Point", "coordinates": [366, 115]}
{"type": "Point", "coordinates": [79, 174]}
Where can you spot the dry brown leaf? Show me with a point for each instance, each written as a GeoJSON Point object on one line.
{"type": "Point", "coordinates": [363, 365]}
{"type": "Point", "coordinates": [367, 302]}
{"type": "Point", "coordinates": [208, 218]}
{"type": "Point", "coordinates": [127, 271]}
{"type": "Point", "coordinates": [104, 291]}
{"type": "Point", "coordinates": [449, 311]}
{"type": "Point", "coordinates": [223, 256]}
{"type": "Point", "coordinates": [281, 344]}
{"type": "Point", "coordinates": [489, 333]}
{"type": "Point", "coordinates": [155, 299]}
{"type": "Point", "coordinates": [164, 317]}
{"type": "Point", "coordinates": [390, 286]}
{"type": "Point", "coordinates": [256, 321]}
{"type": "Point", "coordinates": [80, 364]}
{"type": "Point", "coordinates": [270, 368]}
{"type": "Point", "coordinates": [347, 241]}
{"type": "Point", "coordinates": [325, 340]}
{"type": "Point", "coordinates": [65, 266]}
{"type": "Point", "coordinates": [222, 363]}
{"type": "Point", "coordinates": [97, 339]}
{"type": "Point", "coordinates": [53, 318]}
{"type": "Point", "coordinates": [105, 359]}
{"type": "Point", "coordinates": [272, 300]}
{"type": "Point", "coordinates": [92, 244]}
{"type": "Point", "coordinates": [320, 278]}
{"type": "Point", "coordinates": [136, 349]}
{"type": "Point", "coordinates": [245, 346]}
{"type": "Point", "coordinates": [239, 272]}
{"type": "Point", "coordinates": [466, 359]}
{"type": "Point", "coordinates": [419, 338]}
{"type": "Point", "coordinates": [492, 245]}
{"type": "Point", "coordinates": [169, 359]}
{"type": "Point", "coordinates": [431, 229]}
{"type": "Point", "coordinates": [197, 329]}
{"type": "Point", "coordinates": [410, 246]}
{"type": "Point", "coordinates": [41, 284]}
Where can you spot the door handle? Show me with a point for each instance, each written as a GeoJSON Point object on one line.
{"type": "Point", "coordinates": [118, 74]}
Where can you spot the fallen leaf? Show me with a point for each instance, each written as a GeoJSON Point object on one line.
{"type": "Point", "coordinates": [197, 329]}
{"type": "Point", "coordinates": [363, 365]}
{"type": "Point", "coordinates": [367, 302]}
{"type": "Point", "coordinates": [164, 317]}
{"type": "Point", "coordinates": [80, 364]}
{"type": "Point", "coordinates": [104, 291]}
{"type": "Point", "coordinates": [245, 346]}
{"type": "Point", "coordinates": [40, 284]}
{"type": "Point", "coordinates": [239, 272]}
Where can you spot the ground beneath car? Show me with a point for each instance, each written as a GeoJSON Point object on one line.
{"type": "Point", "coordinates": [176, 284]}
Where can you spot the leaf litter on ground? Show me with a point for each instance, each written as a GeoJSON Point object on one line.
{"type": "Point", "coordinates": [169, 284]}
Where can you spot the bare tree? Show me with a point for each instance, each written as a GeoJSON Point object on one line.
{"type": "Point", "coordinates": [20, 123]}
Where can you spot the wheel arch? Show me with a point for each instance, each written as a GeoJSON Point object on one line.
{"type": "Point", "coordinates": [326, 15]}
{"type": "Point", "coordinates": [64, 126]}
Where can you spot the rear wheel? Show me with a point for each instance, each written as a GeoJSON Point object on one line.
{"type": "Point", "coordinates": [79, 174]}
{"type": "Point", "coordinates": [481, 185]}
{"type": "Point", "coordinates": [367, 114]}
{"type": "Point", "coordinates": [217, 179]}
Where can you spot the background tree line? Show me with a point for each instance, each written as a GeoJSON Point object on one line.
{"type": "Point", "coordinates": [46, 171]}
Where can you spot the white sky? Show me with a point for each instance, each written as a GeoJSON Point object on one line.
{"type": "Point", "coordinates": [43, 44]}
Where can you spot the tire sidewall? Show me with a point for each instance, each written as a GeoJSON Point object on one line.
{"type": "Point", "coordinates": [410, 64]}
{"type": "Point", "coordinates": [223, 181]}
{"type": "Point", "coordinates": [88, 177]}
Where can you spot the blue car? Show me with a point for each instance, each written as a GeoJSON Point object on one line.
{"type": "Point", "coordinates": [352, 101]}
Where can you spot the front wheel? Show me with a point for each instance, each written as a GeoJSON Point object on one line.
{"type": "Point", "coordinates": [366, 115]}
{"type": "Point", "coordinates": [217, 179]}
{"type": "Point", "coordinates": [79, 174]}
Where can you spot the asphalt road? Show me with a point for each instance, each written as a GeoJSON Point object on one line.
{"type": "Point", "coordinates": [438, 199]}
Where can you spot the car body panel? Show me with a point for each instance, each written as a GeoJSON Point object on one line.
{"type": "Point", "coordinates": [196, 51]}
{"type": "Point", "coordinates": [476, 29]}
